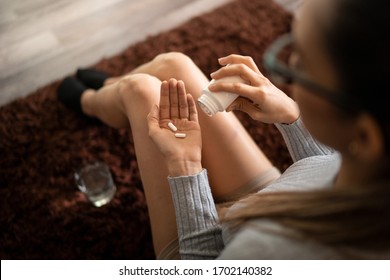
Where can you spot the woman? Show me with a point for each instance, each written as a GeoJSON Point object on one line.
{"type": "Point", "coordinates": [333, 202]}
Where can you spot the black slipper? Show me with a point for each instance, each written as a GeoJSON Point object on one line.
{"type": "Point", "coordinates": [92, 78]}
{"type": "Point", "coordinates": [69, 93]}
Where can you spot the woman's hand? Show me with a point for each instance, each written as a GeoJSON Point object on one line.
{"type": "Point", "coordinates": [258, 96]}
{"type": "Point", "coordinates": [182, 155]}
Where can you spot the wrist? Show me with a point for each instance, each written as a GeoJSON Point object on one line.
{"type": "Point", "coordinates": [178, 168]}
{"type": "Point", "coordinates": [292, 114]}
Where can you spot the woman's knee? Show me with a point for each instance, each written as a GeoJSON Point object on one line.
{"type": "Point", "coordinates": [139, 89]}
{"type": "Point", "coordinates": [175, 59]}
{"type": "Point", "coordinates": [171, 64]}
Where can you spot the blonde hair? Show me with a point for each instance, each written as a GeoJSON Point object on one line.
{"type": "Point", "coordinates": [355, 217]}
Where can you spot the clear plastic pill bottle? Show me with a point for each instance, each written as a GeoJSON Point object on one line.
{"type": "Point", "coordinates": [214, 102]}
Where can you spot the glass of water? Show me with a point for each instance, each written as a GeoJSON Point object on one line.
{"type": "Point", "coordinates": [96, 182]}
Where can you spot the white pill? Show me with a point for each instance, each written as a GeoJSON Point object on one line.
{"type": "Point", "coordinates": [180, 135]}
{"type": "Point", "coordinates": [172, 127]}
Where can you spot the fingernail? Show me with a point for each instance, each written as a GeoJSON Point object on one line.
{"type": "Point", "coordinates": [212, 74]}
{"type": "Point", "coordinates": [211, 87]}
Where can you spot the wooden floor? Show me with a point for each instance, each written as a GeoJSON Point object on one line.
{"type": "Point", "coordinates": [44, 40]}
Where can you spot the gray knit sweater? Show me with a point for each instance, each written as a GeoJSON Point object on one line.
{"type": "Point", "coordinates": [201, 236]}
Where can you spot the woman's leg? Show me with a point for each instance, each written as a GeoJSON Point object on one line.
{"type": "Point", "coordinates": [233, 160]}
{"type": "Point", "coordinates": [127, 102]}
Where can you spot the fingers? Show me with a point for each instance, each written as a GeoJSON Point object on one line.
{"type": "Point", "coordinates": [153, 119]}
{"type": "Point", "coordinates": [246, 106]}
{"type": "Point", "coordinates": [253, 93]}
{"type": "Point", "coordinates": [173, 99]}
{"type": "Point", "coordinates": [193, 113]}
{"type": "Point", "coordinates": [241, 70]}
{"type": "Point", "coordinates": [164, 101]}
{"type": "Point", "coordinates": [153, 114]}
{"type": "Point", "coordinates": [174, 102]}
{"type": "Point", "coordinates": [182, 96]}
{"type": "Point", "coordinates": [239, 59]}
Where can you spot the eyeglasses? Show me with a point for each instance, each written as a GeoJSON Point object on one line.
{"type": "Point", "coordinates": [280, 71]}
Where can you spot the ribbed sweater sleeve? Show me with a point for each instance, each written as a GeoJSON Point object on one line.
{"type": "Point", "coordinates": [200, 234]}
{"type": "Point", "coordinates": [299, 141]}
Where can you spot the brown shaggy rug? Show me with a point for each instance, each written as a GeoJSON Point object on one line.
{"type": "Point", "coordinates": [43, 215]}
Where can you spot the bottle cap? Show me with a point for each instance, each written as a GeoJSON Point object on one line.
{"type": "Point", "coordinates": [208, 104]}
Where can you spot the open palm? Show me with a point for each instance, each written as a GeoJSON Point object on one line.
{"type": "Point", "coordinates": [178, 107]}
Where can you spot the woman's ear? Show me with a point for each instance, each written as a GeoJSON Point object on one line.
{"type": "Point", "coordinates": [369, 139]}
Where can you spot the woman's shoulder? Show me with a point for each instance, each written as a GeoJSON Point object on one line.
{"type": "Point", "coordinates": [316, 172]}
